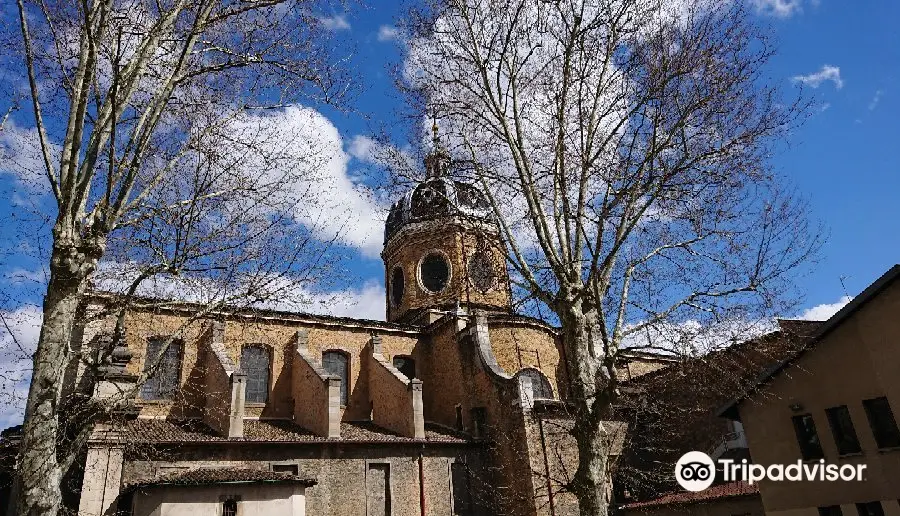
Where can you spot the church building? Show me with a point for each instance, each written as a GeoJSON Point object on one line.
{"type": "Point", "coordinates": [455, 405]}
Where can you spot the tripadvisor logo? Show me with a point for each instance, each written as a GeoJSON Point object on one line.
{"type": "Point", "coordinates": [696, 471]}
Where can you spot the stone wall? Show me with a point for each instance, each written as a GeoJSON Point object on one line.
{"type": "Point", "coordinates": [262, 499]}
{"type": "Point", "coordinates": [408, 247]}
{"type": "Point", "coordinates": [276, 334]}
{"type": "Point", "coordinates": [521, 343]}
{"type": "Point", "coordinates": [316, 393]}
{"type": "Point", "coordinates": [341, 472]}
{"type": "Point", "coordinates": [217, 368]}
{"type": "Point", "coordinates": [396, 399]}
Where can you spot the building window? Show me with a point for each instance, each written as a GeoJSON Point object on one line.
{"type": "Point", "coordinates": [459, 417]}
{"type": "Point", "coordinates": [805, 428]}
{"type": "Point", "coordinates": [290, 469]}
{"type": "Point", "coordinates": [406, 365]}
{"type": "Point", "coordinates": [162, 382]}
{"type": "Point", "coordinates": [830, 510]}
{"type": "Point", "coordinates": [869, 509]}
{"type": "Point", "coordinates": [434, 272]}
{"type": "Point", "coordinates": [460, 485]}
{"type": "Point", "coordinates": [882, 421]}
{"type": "Point", "coordinates": [229, 507]}
{"type": "Point", "coordinates": [842, 430]}
{"type": "Point", "coordinates": [479, 421]}
{"type": "Point", "coordinates": [397, 286]}
{"type": "Point", "coordinates": [338, 364]}
{"type": "Point", "coordinates": [378, 484]}
{"type": "Point", "coordinates": [481, 270]}
{"type": "Point", "coordinates": [255, 363]}
{"type": "Point", "coordinates": [540, 386]}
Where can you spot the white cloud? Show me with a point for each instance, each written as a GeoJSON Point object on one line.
{"type": "Point", "coordinates": [825, 107]}
{"type": "Point", "coordinates": [777, 8]}
{"type": "Point", "coordinates": [18, 340]}
{"type": "Point", "coordinates": [364, 303]}
{"type": "Point", "coordinates": [278, 292]}
{"type": "Point", "coordinates": [875, 100]}
{"type": "Point", "coordinates": [363, 148]}
{"type": "Point", "coordinates": [20, 156]}
{"type": "Point", "coordinates": [388, 33]}
{"type": "Point", "coordinates": [20, 276]}
{"type": "Point", "coordinates": [824, 311]}
{"type": "Point", "coordinates": [336, 22]}
{"type": "Point", "coordinates": [307, 145]}
{"type": "Point", "coordinates": [827, 73]}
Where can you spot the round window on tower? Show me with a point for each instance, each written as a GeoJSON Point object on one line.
{"type": "Point", "coordinates": [481, 271]}
{"type": "Point", "coordinates": [397, 286]}
{"type": "Point", "coordinates": [434, 272]}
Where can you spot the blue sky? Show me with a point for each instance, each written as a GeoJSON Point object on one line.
{"type": "Point", "coordinates": [843, 160]}
{"type": "Point", "coordinates": [844, 54]}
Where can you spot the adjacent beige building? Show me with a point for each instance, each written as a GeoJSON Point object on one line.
{"type": "Point", "coordinates": [837, 400]}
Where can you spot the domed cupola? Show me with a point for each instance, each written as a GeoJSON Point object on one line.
{"type": "Point", "coordinates": [442, 246]}
{"type": "Point", "coordinates": [438, 197]}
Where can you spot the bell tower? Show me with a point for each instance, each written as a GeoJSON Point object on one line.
{"type": "Point", "coordinates": [442, 247]}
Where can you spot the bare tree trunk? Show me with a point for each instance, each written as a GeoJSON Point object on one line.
{"type": "Point", "coordinates": [39, 471]}
{"type": "Point", "coordinates": [591, 402]}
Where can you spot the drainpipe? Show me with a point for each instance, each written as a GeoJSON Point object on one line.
{"type": "Point", "coordinates": [546, 467]}
{"type": "Point", "coordinates": [421, 483]}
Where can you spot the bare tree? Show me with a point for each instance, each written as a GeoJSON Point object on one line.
{"type": "Point", "coordinates": [624, 147]}
{"type": "Point", "coordinates": [162, 134]}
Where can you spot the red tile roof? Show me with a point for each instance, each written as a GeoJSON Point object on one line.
{"type": "Point", "coordinates": [714, 493]}
{"type": "Point", "coordinates": [195, 431]}
{"type": "Point", "coordinates": [208, 476]}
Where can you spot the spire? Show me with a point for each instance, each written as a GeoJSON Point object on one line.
{"type": "Point", "coordinates": [437, 162]}
{"type": "Point", "coordinates": [435, 141]}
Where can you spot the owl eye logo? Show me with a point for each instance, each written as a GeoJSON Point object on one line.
{"type": "Point", "coordinates": [695, 471]}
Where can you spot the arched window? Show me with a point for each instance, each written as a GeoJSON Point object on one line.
{"type": "Point", "coordinates": [406, 365]}
{"type": "Point", "coordinates": [540, 386]}
{"type": "Point", "coordinates": [255, 363]}
{"type": "Point", "coordinates": [338, 364]}
{"type": "Point", "coordinates": [162, 381]}
{"type": "Point", "coordinates": [397, 286]}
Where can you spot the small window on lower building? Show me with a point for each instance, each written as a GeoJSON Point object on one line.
{"type": "Point", "coordinates": [378, 485]}
{"type": "Point", "coordinates": [807, 438]}
{"type": "Point", "coordinates": [459, 417]}
{"type": "Point", "coordinates": [229, 507]}
{"type": "Point", "coordinates": [881, 419]}
{"type": "Point", "coordinates": [869, 509]}
{"type": "Point", "coordinates": [286, 468]}
{"type": "Point", "coordinates": [830, 510]}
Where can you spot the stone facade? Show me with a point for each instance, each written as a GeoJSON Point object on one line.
{"type": "Point", "coordinates": [470, 432]}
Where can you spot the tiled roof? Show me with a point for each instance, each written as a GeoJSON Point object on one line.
{"type": "Point", "coordinates": [194, 431]}
{"type": "Point", "coordinates": [714, 493]}
{"type": "Point", "coordinates": [207, 476]}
